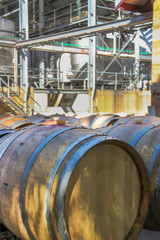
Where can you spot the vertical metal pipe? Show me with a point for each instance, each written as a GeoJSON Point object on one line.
{"type": "Point", "coordinates": [137, 55]}
{"type": "Point", "coordinates": [115, 43]}
{"type": "Point", "coordinates": [92, 52]}
{"type": "Point", "coordinates": [54, 18]}
{"type": "Point", "coordinates": [59, 73]}
{"type": "Point", "coordinates": [8, 87]}
{"type": "Point", "coordinates": [23, 27]}
{"type": "Point", "coordinates": [71, 12]}
{"type": "Point", "coordinates": [116, 81]}
{"type": "Point", "coordinates": [15, 67]}
{"type": "Point", "coordinates": [78, 2]}
{"type": "Point", "coordinates": [41, 16]}
{"type": "Point", "coordinates": [34, 14]}
{"type": "Point", "coordinates": [41, 73]}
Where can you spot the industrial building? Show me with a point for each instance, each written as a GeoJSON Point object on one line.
{"type": "Point", "coordinates": [79, 119]}
{"type": "Point", "coordinates": [66, 55]}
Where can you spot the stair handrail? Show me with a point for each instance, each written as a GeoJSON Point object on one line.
{"type": "Point", "coordinates": [19, 109]}
{"type": "Point", "coordinates": [29, 107]}
{"type": "Point", "coordinates": [20, 88]}
{"type": "Point", "coordinates": [11, 89]}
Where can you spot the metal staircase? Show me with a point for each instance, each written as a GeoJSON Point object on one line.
{"type": "Point", "coordinates": [11, 98]}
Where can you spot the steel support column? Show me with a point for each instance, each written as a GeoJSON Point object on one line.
{"type": "Point", "coordinates": [34, 13]}
{"type": "Point", "coordinates": [155, 82]}
{"type": "Point", "coordinates": [15, 66]}
{"type": "Point", "coordinates": [137, 55]}
{"type": "Point", "coordinates": [92, 52]}
{"type": "Point", "coordinates": [23, 28]}
{"type": "Point", "coordinates": [41, 73]}
{"type": "Point", "coordinates": [41, 16]}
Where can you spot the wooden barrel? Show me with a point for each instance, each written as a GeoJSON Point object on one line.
{"type": "Point", "coordinates": [69, 119]}
{"type": "Point", "coordinates": [53, 122]}
{"type": "Point", "coordinates": [103, 120]}
{"type": "Point", "coordinates": [65, 182]}
{"type": "Point", "coordinates": [4, 130]}
{"type": "Point", "coordinates": [145, 139]}
{"type": "Point", "coordinates": [138, 119]}
{"type": "Point", "coordinates": [36, 118]}
{"type": "Point", "coordinates": [86, 121]}
{"type": "Point", "coordinates": [110, 122]}
{"type": "Point", "coordinates": [63, 118]}
{"type": "Point", "coordinates": [56, 115]}
{"type": "Point", "coordinates": [15, 122]}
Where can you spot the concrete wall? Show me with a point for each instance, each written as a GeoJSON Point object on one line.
{"type": "Point", "coordinates": [63, 103]}
{"type": "Point", "coordinates": [105, 101]}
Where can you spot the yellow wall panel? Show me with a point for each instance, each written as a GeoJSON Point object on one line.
{"type": "Point", "coordinates": [122, 101]}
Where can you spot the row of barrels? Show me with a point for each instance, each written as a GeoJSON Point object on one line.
{"type": "Point", "coordinates": [72, 182]}
{"type": "Point", "coordinates": [93, 121]}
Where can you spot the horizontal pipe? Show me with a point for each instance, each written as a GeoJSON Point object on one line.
{"type": "Point", "coordinates": [88, 31]}
{"type": "Point", "coordinates": [7, 43]}
{"type": "Point", "coordinates": [10, 13]}
{"type": "Point", "coordinates": [85, 51]}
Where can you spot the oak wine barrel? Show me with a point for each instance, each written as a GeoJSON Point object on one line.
{"type": "Point", "coordinates": [4, 130]}
{"type": "Point", "coordinates": [36, 118]}
{"type": "Point", "coordinates": [103, 120]}
{"type": "Point", "coordinates": [145, 138]}
{"type": "Point", "coordinates": [15, 122]}
{"type": "Point", "coordinates": [86, 121]}
{"type": "Point", "coordinates": [69, 119]}
{"type": "Point", "coordinates": [67, 182]}
{"type": "Point", "coordinates": [138, 119]}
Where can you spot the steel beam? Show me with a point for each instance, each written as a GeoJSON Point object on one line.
{"type": "Point", "coordinates": [15, 66]}
{"type": "Point", "coordinates": [41, 16]}
{"type": "Point", "coordinates": [24, 29]}
{"type": "Point", "coordinates": [69, 91]}
{"type": "Point", "coordinates": [137, 54]}
{"type": "Point", "coordinates": [92, 52]}
{"type": "Point", "coordinates": [41, 73]}
{"type": "Point", "coordinates": [144, 20]}
{"type": "Point", "coordinates": [34, 13]}
{"type": "Point", "coordinates": [10, 13]}
{"type": "Point", "coordinates": [73, 50]}
{"type": "Point", "coordinates": [7, 43]}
